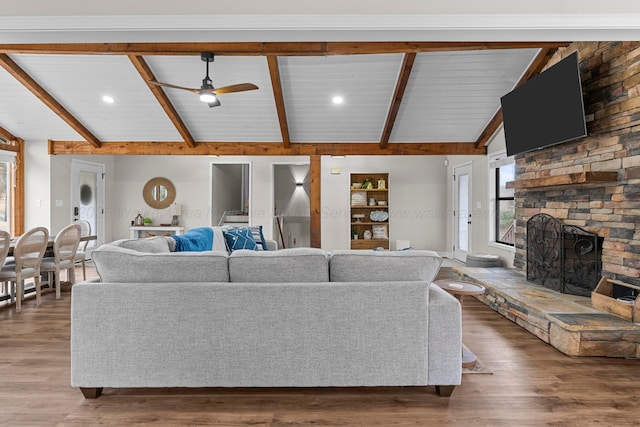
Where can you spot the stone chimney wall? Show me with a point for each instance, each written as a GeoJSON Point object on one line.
{"type": "Point", "coordinates": [610, 73]}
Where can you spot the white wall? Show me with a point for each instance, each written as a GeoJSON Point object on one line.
{"type": "Point", "coordinates": [190, 175]}
{"type": "Point", "coordinates": [417, 199]}
{"type": "Point", "coordinates": [37, 185]}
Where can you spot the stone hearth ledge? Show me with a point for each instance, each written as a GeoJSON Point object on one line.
{"type": "Point", "coordinates": [567, 322]}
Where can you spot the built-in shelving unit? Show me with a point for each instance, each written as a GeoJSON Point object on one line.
{"type": "Point", "coordinates": [369, 210]}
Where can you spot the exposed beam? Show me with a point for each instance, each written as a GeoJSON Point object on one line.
{"type": "Point", "coordinates": [537, 65]}
{"type": "Point", "coordinates": [274, 72]}
{"type": "Point", "coordinates": [268, 48]}
{"type": "Point", "coordinates": [401, 85]}
{"type": "Point", "coordinates": [146, 73]}
{"type": "Point", "coordinates": [265, 148]}
{"type": "Point", "coordinates": [6, 135]}
{"type": "Point", "coordinates": [315, 205]}
{"type": "Point", "coordinates": [44, 96]}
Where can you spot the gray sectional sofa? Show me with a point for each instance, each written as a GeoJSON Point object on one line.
{"type": "Point", "coordinates": [288, 318]}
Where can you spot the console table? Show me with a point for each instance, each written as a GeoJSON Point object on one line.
{"type": "Point", "coordinates": [134, 232]}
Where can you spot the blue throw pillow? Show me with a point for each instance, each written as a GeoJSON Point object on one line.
{"type": "Point", "coordinates": [258, 236]}
{"type": "Point", "coordinates": [240, 238]}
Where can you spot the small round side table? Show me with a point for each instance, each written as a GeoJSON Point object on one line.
{"type": "Point", "coordinates": [459, 290]}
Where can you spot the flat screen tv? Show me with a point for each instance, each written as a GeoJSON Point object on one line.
{"type": "Point", "coordinates": [546, 110]}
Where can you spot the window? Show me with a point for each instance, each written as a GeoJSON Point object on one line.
{"type": "Point", "coordinates": [503, 171]}
{"type": "Point", "coordinates": [6, 179]}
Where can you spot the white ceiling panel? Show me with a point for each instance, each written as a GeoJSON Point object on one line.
{"type": "Point", "coordinates": [244, 116]}
{"type": "Point", "coordinates": [25, 116]}
{"type": "Point", "coordinates": [78, 82]}
{"type": "Point", "coordinates": [451, 96]}
{"type": "Point", "coordinates": [366, 82]}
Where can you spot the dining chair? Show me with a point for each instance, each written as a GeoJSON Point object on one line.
{"type": "Point", "coordinates": [28, 254]}
{"type": "Point", "coordinates": [65, 247]}
{"type": "Point", "coordinates": [5, 242]}
{"type": "Point", "coordinates": [81, 254]}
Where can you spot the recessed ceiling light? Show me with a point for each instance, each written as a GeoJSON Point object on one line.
{"type": "Point", "coordinates": [108, 99]}
{"type": "Point", "coordinates": [337, 100]}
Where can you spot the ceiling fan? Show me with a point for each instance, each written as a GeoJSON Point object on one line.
{"type": "Point", "coordinates": [207, 92]}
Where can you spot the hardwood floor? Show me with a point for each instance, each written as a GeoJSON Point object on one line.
{"type": "Point", "coordinates": [532, 385]}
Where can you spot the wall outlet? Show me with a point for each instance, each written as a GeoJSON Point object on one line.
{"type": "Point", "coordinates": [59, 203]}
{"type": "Point", "coordinates": [38, 203]}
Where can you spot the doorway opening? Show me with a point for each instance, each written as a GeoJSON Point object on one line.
{"type": "Point", "coordinates": [291, 205]}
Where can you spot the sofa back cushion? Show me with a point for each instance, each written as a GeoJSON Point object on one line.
{"type": "Point", "coordinates": [382, 266]}
{"type": "Point", "coordinates": [156, 244]}
{"type": "Point", "coordinates": [120, 265]}
{"type": "Point", "coordinates": [283, 266]}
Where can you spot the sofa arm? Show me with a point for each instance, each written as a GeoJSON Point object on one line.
{"type": "Point", "coordinates": [445, 337]}
{"type": "Point", "coordinates": [272, 245]}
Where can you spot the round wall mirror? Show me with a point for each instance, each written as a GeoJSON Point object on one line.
{"type": "Point", "coordinates": [159, 193]}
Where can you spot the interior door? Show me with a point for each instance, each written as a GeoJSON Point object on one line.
{"type": "Point", "coordinates": [462, 211]}
{"type": "Point", "coordinates": [87, 196]}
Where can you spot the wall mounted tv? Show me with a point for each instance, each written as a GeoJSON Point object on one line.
{"type": "Point", "coordinates": [546, 110]}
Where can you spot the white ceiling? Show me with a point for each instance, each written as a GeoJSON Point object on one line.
{"type": "Point", "coordinates": [450, 97]}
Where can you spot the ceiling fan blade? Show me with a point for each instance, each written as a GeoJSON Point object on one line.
{"type": "Point", "coordinates": [215, 103]}
{"type": "Point", "coordinates": [169, 85]}
{"type": "Point", "coordinates": [235, 88]}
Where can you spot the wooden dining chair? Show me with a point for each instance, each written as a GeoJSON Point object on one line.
{"type": "Point", "coordinates": [28, 254]}
{"type": "Point", "coordinates": [65, 247]}
{"type": "Point", "coordinates": [81, 254]}
{"type": "Point", "coordinates": [5, 243]}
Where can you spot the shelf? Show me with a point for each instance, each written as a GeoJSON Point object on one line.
{"type": "Point", "coordinates": [372, 190]}
{"type": "Point", "coordinates": [567, 179]}
{"type": "Point", "coordinates": [369, 207]}
{"type": "Point", "coordinates": [370, 223]}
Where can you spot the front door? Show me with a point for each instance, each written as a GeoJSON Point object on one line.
{"type": "Point", "coordinates": [462, 211]}
{"type": "Point", "coordinates": [87, 196]}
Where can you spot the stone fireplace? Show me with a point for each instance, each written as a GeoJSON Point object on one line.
{"type": "Point", "coordinates": [562, 257]}
{"type": "Point", "coordinates": [592, 184]}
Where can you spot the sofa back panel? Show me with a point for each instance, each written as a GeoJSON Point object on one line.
{"type": "Point", "coordinates": [283, 266]}
{"type": "Point", "coordinates": [383, 266]}
{"type": "Point", "coordinates": [250, 334]}
{"type": "Point", "coordinates": [158, 244]}
{"type": "Point", "coordinates": [120, 265]}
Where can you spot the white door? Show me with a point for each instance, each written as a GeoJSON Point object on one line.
{"type": "Point", "coordinates": [462, 211]}
{"type": "Point", "coordinates": [87, 196]}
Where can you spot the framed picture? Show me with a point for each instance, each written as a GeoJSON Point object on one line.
{"type": "Point", "coordinates": [380, 231]}
{"type": "Point", "coordinates": [358, 198]}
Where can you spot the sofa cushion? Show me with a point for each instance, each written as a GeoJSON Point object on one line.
{"type": "Point", "coordinates": [382, 266]}
{"type": "Point", "coordinates": [157, 244]}
{"type": "Point", "coordinates": [240, 238]}
{"type": "Point", "coordinates": [283, 266]}
{"type": "Point", "coordinates": [121, 265]}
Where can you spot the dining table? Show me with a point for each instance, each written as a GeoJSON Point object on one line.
{"type": "Point", "coordinates": [52, 238]}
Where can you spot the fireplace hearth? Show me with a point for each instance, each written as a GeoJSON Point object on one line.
{"type": "Point", "coordinates": [562, 257]}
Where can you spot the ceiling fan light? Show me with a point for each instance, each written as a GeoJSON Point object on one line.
{"type": "Point", "coordinates": [208, 97]}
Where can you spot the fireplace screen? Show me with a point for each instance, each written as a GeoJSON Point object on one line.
{"type": "Point", "coordinates": [562, 257]}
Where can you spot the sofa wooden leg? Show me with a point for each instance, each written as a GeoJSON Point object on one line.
{"type": "Point", "coordinates": [91, 392]}
{"type": "Point", "coordinates": [445, 390]}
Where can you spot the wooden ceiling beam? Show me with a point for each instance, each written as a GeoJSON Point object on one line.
{"type": "Point", "coordinates": [44, 96]}
{"type": "Point", "coordinates": [276, 83]}
{"type": "Point", "coordinates": [6, 135]}
{"type": "Point", "coordinates": [267, 48]}
{"type": "Point", "coordinates": [401, 85]}
{"type": "Point", "coordinates": [145, 72]}
{"type": "Point", "coordinates": [265, 148]}
{"type": "Point", "coordinates": [537, 65]}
